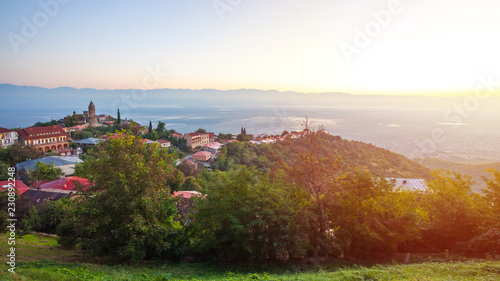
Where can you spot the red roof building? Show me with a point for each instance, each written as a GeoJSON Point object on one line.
{"type": "Point", "coordinates": [163, 143]}
{"type": "Point", "coordinates": [44, 138]}
{"type": "Point", "coordinates": [19, 185]}
{"type": "Point", "coordinates": [202, 156]}
{"type": "Point", "coordinates": [68, 183]}
{"type": "Point", "coordinates": [187, 194]}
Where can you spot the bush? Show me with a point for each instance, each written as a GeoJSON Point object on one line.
{"type": "Point", "coordinates": [486, 243]}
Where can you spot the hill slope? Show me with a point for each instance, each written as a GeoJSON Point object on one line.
{"type": "Point", "coordinates": [378, 161]}
{"type": "Point", "coordinates": [476, 171]}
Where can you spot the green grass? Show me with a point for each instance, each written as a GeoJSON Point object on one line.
{"type": "Point", "coordinates": [40, 258]}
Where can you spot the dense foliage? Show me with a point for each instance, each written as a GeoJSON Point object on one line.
{"type": "Point", "coordinates": [377, 161]}
{"type": "Point", "coordinates": [127, 213]}
{"type": "Point", "coordinates": [246, 217]}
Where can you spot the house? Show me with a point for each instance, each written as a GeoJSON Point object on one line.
{"type": "Point", "coordinates": [37, 197]}
{"type": "Point", "coordinates": [109, 123]}
{"type": "Point", "coordinates": [77, 128]}
{"type": "Point", "coordinates": [102, 117]}
{"type": "Point", "coordinates": [194, 140]}
{"type": "Point", "coordinates": [213, 147]}
{"type": "Point", "coordinates": [86, 143]}
{"type": "Point", "coordinates": [17, 184]}
{"type": "Point", "coordinates": [70, 152]}
{"type": "Point", "coordinates": [68, 183]}
{"type": "Point", "coordinates": [185, 204]}
{"type": "Point", "coordinates": [202, 156]}
{"type": "Point", "coordinates": [163, 143]}
{"type": "Point", "coordinates": [44, 138]}
{"type": "Point", "coordinates": [187, 194]}
{"type": "Point", "coordinates": [177, 136]}
{"type": "Point", "coordinates": [65, 163]}
{"type": "Point", "coordinates": [7, 137]}
{"type": "Point", "coordinates": [212, 136]}
{"type": "Point", "coordinates": [409, 184]}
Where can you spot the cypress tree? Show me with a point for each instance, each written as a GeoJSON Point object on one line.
{"type": "Point", "coordinates": [119, 120]}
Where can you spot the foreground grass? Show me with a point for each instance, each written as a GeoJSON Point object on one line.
{"type": "Point", "coordinates": [40, 258]}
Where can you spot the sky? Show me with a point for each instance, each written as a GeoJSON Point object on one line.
{"type": "Point", "coordinates": [405, 47]}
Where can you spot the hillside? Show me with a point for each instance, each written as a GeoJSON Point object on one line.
{"type": "Point", "coordinates": [476, 171]}
{"type": "Point", "coordinates": [353, 154]}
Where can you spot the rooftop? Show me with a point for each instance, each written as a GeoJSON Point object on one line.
{"type": "Point", "coordinates": [409, 184]}
{"type": "Point", "coordinates": [32, 133]}
{"type": "Point", "coordinates": [57, 160]}
{"type": "Point", "coordinates": [68, 183]}
{"type": "Point", "coordinates": [19, 185]}
{"type": "Point", "coordinates": [5, 130]}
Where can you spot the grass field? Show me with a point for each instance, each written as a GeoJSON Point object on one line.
{"type": "Point", "coordinates": [40, 258]}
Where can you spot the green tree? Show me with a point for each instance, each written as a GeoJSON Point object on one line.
{"type": "Point", "coordinates": [241, 137]}
{"type": "Point", "coordinates": [128, 213]}
{"type": "Point", "coordinates": [160, 128]}
{"type": "Point", "coordinates": [246, 217]}
{"type": "Point", "coordinates": [453, 211]}
{"type": "Point", "coordinates": [43, 172]}
{"type": "Point", "coordinates": [201, 131]}
{"type": "Point", "coordinates": [4, 171]}
{"type": "Point", "coordinates": [150, 128]}
{"type": "Point", "coordinates": [19, 153]}
{"type": "Point", "coordinates": [370, 217]}
{"type": "Point", "coordinates": [118, 118]}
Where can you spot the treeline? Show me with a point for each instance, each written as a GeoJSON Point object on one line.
{"type": "Point", "coordinates": [306, 204]}
{"type": "Point", "coordinates": [266, 158]}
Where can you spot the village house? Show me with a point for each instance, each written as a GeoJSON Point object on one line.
{"type": "Point", "coordinates": [213, 148]}
{"type": "Point", "coordinates": [67, 183]}
{"type": "Point", "coordinates": [194, 140]}
{"type": "Point", "coordinates": [17, 184]}
{"type": "Point", "coordinates": [52, 138]}
{"type": "Point", "coordinates": [37, 197]}
{"type": "Point", "coordinates": [7, 137]}
{"type": "Point", "coordinates": [202, 156]}
{"type": "Point", "coordinates": [65, 163]}
{"type": "Point", "coordinates": [163, 143]}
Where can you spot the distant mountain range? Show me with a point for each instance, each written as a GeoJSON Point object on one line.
{"type": "Point", "coordinates": [108, 100]}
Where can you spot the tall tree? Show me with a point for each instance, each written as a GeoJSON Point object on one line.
{"type": "Point", "coordinates": [492, 195]}
{"type": "Point", "coordinates": [245, 217]}
{"type": "Point", "coordinates": [128, 213]}
{"type": "Point", "coordinates": [118, 118]}
{"type": "Point", "coordinates": [453, 211]}
{"type": "Point", "coordinates": [160, 128]}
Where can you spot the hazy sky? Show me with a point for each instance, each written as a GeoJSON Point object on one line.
{"type": "Point", "coordinates": [360, 47]}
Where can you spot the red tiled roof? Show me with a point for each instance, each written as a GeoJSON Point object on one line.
{"type": "Point", "coordinates": [19, 185]}
{"type": "Point", "coordinates": [187, 194]}
{"type": "Point", "coordinates": [65, 183]}
{"type": "Point", "coordinates": [204, 153]}
{"type": "Point", "coordinates": [163, 141]}
{"type": "Point", "coordinates": [34, 133]}
{"type": "Point", "coordinates": [177, 136]}
{"type": "Point", "coordinates": [4, 130]}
